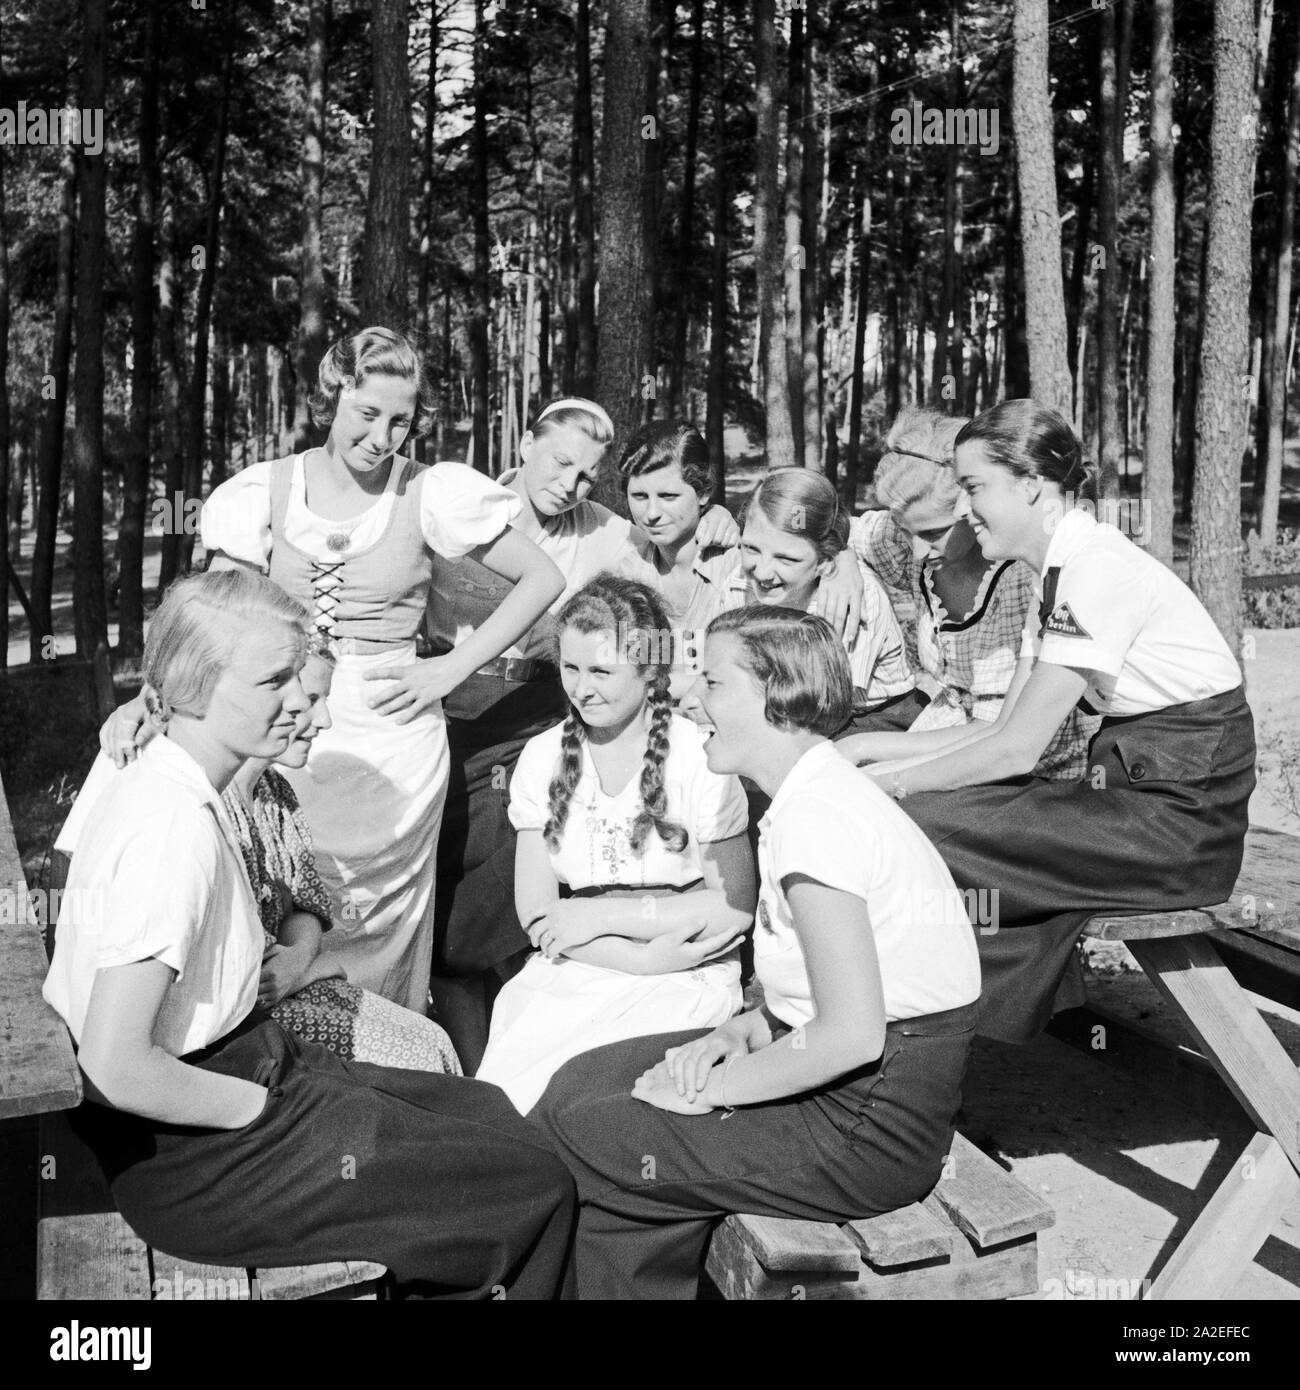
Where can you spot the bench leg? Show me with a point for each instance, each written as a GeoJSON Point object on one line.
{"type": "Point", "coordinates": [1226, 1236]}
{"type": "Point", "coordinates": [1190, 974]}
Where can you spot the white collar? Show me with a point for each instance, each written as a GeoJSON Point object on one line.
{"type": "Point", "coordinates": [1071, 533]}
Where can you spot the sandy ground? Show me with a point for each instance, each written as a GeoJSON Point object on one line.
{"type": "Point", "coordinates": [1125, 1167]}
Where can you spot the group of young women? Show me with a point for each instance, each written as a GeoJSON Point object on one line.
{"type": "Point", "coordinates": [543, 835]}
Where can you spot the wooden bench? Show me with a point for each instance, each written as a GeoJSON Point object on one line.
{"type": "Point", "coordinates": [974, 1237]}
{"type": "Point", "coordinates": [1259, 930]}
{"type": "Point", "coordinates": [84, 1247]}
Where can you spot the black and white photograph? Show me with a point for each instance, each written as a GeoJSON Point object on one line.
{"type": "Point", "coordinates": [651, 653]}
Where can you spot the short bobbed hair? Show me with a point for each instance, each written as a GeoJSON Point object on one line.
{"type": "Point", "coordinates": [802, 503]}
{"type": "Point", "coordinates": [662, 443]}
{"type": "Point", "coordinates": [798, 660]}
{"type": "Point", "coordinates": [372, 352]}
{"type": "Point", "coordinates": [197, 629]}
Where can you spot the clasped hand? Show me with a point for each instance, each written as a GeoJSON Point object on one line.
{"type": "Point", "coordinates": [415, 687]}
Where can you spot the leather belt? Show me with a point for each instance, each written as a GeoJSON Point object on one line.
{"type": "Point", "coordinates": [519, 669]}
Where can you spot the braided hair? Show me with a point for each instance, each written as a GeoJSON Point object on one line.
{"type": "Point", "coordinates": [635, 618]}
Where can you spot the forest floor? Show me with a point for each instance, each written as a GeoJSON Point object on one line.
{"type": "Point", "coordinates": [1126, 1167]}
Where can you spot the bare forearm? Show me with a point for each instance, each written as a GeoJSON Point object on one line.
{"type": "Point", "coordinates": [302, 930]}
{"type": "Point", "coordinates": [888, 747]}
{"type": "Point", "coordinates": [801, 1061]}
{"type": "Point", "coordinates": [612, 953]}
{"type": "Point", "coordinates": [513, 617]}
{"type": "Point", "coordinates": [160, 1087]}
{"type": "Point", "coordinates": [988, 755]}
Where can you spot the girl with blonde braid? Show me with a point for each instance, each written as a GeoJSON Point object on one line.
{"type": "Point", "coordinates": [617, 806]}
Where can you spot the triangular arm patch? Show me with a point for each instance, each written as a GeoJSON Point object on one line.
{"type": "Point", "coordinates": [1064, 624]}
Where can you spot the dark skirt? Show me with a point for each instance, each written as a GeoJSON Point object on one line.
{"type": "Point", "coordinates": [892, 717]}
{"type": "Point", "coordinates": [436, 1177]}
{"type": "Point", "coordinates": [1158, 823]}
{"type": "Point", "coordinates": [652, 1184]}
{"type": "Point", "coordinates": [488, 722]}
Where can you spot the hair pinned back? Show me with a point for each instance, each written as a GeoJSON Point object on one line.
{"type": "Point", "coordinates": [371, 352]}
{"type": "Point", "coordinates": [639, 630]}
{"type": "Point", "coordinates": [798, 660]}
{"type": "Point", "coordinates": [802, 503]}
{"type": "Point", "coordinates": [1032, 441]}
{"type": "Point", "coordinates": [198, 627]}
{"type": "Point", "coordinates": [593, 420]}
{"type": "Point", "coordinates": [917, 462]}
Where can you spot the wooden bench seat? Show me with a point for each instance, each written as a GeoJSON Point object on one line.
{"type": "Point", "coordinates": [85, 1249]}
{"type": "Point", "coordinates": [973, 1237]}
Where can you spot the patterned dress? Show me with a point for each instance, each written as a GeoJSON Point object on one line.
{"type": "Point", "coordinates": [355, 1023]}
{"type": "Point", "coordinates": [971, 659]}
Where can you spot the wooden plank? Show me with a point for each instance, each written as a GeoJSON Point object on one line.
{"type": "Point", "coordinates": [783, 1244]}
{"type": "Point", "coordinates": [1261, 965]}
{"type": "Point", "coordinates": [1229, 1030]}
{"type": "Point", "coordinates": [903, 1237]}
{"type": "Point", "coordinates": [38, 1071]}
{"type": "Point", "coordinates": [316, 1281]}
{"type": "Point", "coordinates": [1008, 1272]}
{"type": "Point", "coordinates": [94, 1256]}
{"type": "Point", "coordinates": [1234, 1223]}
{"type": "Point", "coordinates": [986, 1202]}
{"type": "Point", "coordinates": [1149, 926]}
{"type": "Point", "coordinates": [176, 1279]}
{"type": "Point", "coordinates": [1267, 896]}
{"type": "Point", "coordinates": [735, 1270]}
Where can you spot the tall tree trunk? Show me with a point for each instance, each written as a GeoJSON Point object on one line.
{"type": "Point", "coordinates": [1216, 509]}
{"type": "Point", "coordinates": [893, 307]}
{"type": "Point", "coordinates": [1158, 455]}
{"type": "Point", "coordinates": [769, 237]}
{"type": "Point", "coordinates": [684, 241]}
{"type": "Point", "coordinates": [170, 321]}
{"type": "Point", "coordinates": [1109, 137]}
{"type": "Point", "coordinates": [135, 479]}
{"type": "Point", "coordinates": [625, 354]}
{"type": "Point", "coordinates": [50, 461]}
{"type": "Point", "coordinates": [1269, 495]}
{"type": "Point", "coordinates": [660, 17]}
{"type": "Point", "coordinates": [715, 420]}
{"type": "Point", "coordinates": [813, 240]}
{"type": "Point", "coordinates": [196, 432]}
{"type": "Point", "coordinates": [311, 264]}
{"type": "Point", "coordinates": [6, 501]}
{"type": "Point", "coordinates": [1040, 224]}
{"type": "Point", "coordinates": [388, 210]}
{"type": "Point", "coordinates": [90, 608]}
{"type": "Point", "coordinates": [480, 361]}
{"type": "Point", "coordinates": [584, 206]}
{"type": "Point", "coordinates": [220, 405]}
{"type": "Point", "coordinates": [796, 251]}
{"type": "Point", "coordinates": [1015, 337]}
{"type": "Point", "coordinates": [857, 385]}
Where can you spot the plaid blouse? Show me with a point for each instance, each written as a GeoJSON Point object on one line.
{"type": "Point", "coordinates": [971, 659]}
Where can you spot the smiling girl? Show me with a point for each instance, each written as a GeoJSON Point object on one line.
{"type": "Point", "coordinates": [1160, 820]}
{"type": "Point", "coordinates": [970, 609]}
{"type": "Point", "coordinates": [351, 529]}
{"type": "Point", "coordinates": [221, 1134]}
{"type": "Point", "coordinates": [618, 807]}
{"type": "Point", "coordinates": [505, 702]}
{"type": "Point", "coordinates": [834, 1100]}
{"type": "Point", "coordinates": [793, 529]}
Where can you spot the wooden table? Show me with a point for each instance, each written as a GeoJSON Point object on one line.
{"type": "Point", "coordinates": [1179, 956]}
{"type": "Point", "coordinates": [38, 1071]}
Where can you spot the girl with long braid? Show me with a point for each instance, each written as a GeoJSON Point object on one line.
{"type": "Point", "coordinates": [618, 806]}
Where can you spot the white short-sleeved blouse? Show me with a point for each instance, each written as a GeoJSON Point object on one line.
{"type": "Point", "coordinates": [157, 875]}
{"type": "Point", "coordinates": [459, 510]}
{"type": "Point", "coordinates": [595, 848]}
{"type": "Point", "coordinates": [830, 823]}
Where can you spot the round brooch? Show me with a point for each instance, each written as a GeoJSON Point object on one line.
{"type": "Point", "coordinates": [340, 540]}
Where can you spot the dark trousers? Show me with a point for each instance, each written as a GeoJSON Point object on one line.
{"type": "Point", "coordinates": [653, 1184]}
{"type": "Point", "coordinates": [1158, 823]}
{"type": "Point", "coordinates": [488, 722]}
{"type": "Point", "coordinates": [436, 1177]}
